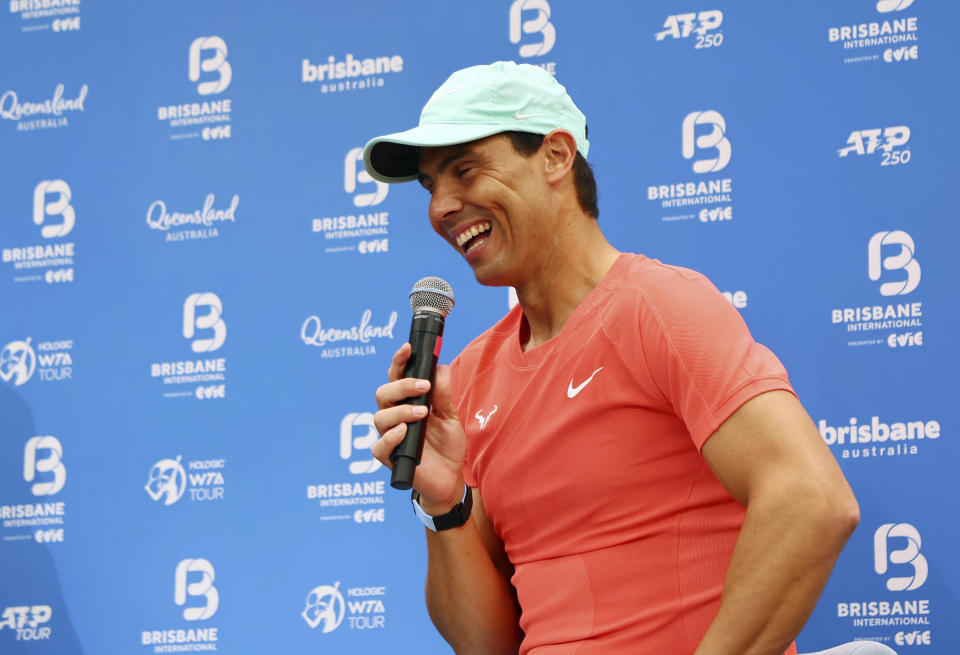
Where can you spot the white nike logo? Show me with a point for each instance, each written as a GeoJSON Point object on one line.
{"type": "Point", "coordinates": [574, 390]}
{"type": "Point", "coordinates": [521, 117]}
{"type": "Point", "coordinates": [442, 92]}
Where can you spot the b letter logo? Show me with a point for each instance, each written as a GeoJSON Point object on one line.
{"type": "Point", "coordinates": [48, 464]}
{"type": "Point", "coordinates": [909, 555]}
{"type": "Point", "coordinates": [903, 260]}
{"type": "Point", "coordinates": [217, 63]}
{"type": "Point", "coordinates": [204, 587]}
{"type": "Point", "coordinates": [541, 24]}
{"type": "Point", "coordinates": [715, 139]}
{"type": "Point", "coordinates": [353, 174]}
{"type": "Point", "coordinates": [213, 319]}
{"type": "Point", "coordinates": [60, 207]}
{"type": "Point", "coordinates": [886, 6]}
{"type": "Point", "coordinates": [348, 442]}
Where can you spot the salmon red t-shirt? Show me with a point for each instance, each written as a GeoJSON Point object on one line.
{"type": "Point", "coordinates": [586, 452]}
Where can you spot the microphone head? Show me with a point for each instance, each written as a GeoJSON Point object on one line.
{"type": "Point", "coordinates": [432, 294]}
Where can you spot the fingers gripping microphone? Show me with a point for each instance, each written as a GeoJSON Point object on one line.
{"type": "Point", "coordinates": [431, 300]}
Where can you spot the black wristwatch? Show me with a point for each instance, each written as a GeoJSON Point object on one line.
{"type": "Point", "coordinates": [452, 519]}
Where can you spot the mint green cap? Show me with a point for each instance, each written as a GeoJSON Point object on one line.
{"type": "Point", "coordinates": [475, 103]}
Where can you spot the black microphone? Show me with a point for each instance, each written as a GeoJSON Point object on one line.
{"type": "Point", "coordinates": [431, 300]}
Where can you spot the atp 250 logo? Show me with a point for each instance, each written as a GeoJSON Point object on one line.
{"type": "Point", "coordinates": [701, 25]}
{"type": "Point", "coordinates": [906, 536]}
{"type": "Point", "coordinates": [889, 141]}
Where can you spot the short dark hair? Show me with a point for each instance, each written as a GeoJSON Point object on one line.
{"type": "Point", "coordinates": [527, 143]}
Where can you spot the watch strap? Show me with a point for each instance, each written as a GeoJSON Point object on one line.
{"type": "Point", "coordinates": [452, 519]}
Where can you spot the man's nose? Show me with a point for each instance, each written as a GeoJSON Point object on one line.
{"type": "Point", "coordinates": [444, 202]}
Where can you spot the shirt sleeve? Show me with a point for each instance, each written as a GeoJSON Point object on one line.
{"type": "Point", "coordinates": [700, 352]}
{"type": "Point", "coordinates": [458, 394]}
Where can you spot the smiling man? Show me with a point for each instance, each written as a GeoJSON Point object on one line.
{"type": "Point", "coordinates": [616, 466]}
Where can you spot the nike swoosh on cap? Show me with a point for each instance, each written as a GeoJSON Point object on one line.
{"type": "Point", "coordinates": [521, 117]}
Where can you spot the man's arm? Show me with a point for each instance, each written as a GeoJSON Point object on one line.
{"type": "Point", "coordinates": [800, 513]}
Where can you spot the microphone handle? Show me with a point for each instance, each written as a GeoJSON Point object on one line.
{"type": "Point", "coordinates": [426, 336]}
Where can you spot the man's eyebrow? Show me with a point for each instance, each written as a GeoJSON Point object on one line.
{"type": "Point", "coordinates": [423, 177]}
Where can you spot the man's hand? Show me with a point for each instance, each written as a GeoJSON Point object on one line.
{"type": "Point", "coordinates": [439, 477]}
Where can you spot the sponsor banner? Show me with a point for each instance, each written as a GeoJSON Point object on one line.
{"type": "Point", "coordinates": [345, 340]}
{"type": "Point", "coordinates": [364, 227]}
{"type": "Point", "coordinates": [699, 200]}
{"type": "Point", "coordinates": [338, 607]}
{"type": "Point", "coordinates": [895, 319]}
{"type": "Point", "coordinates": [58, 16]}
{"type": "Point", "coordinates": [41, 520]}
{"type": "Point", "coordinates": [701, 29]}
{"type": "Point", "coordinates": [898, 611]}
{"type": "Point", "coordinates": [49, 259]}
{"type": "Point", "coordinates": [357, 499]}
{"type": "Point", "coordinates": [888, 145]}
{"type": "Point", "coordinates": [26, 623]}
{"type": "Point", "coordinates": [737, 298]}
{"type": "Point", "coordinates": [334, 74]}
{"type": "Point", "coordinates": [872, 438]}
{"type": "Point", "coordinates": [194, 590]}
{"type": "Point", "coordinates": [889, 35]}
{"type": "Point", "coordinates": [192, 223]}
{"type": "Point", "coordinates": [45, 361]}
{"type": "Point", "coordinates": [30, 113]}
{"type": "Point", "coordinates": [204, 376]}
{"type": "Point", "coordinates": [207, 115]}
{"type": "Point", "coordinates": [198, 480]}
{"type": "Point", "coordinates": [531, 29]}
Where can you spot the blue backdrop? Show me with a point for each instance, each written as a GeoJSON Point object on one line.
{"type": "Point", "coordinates": [200, 290]}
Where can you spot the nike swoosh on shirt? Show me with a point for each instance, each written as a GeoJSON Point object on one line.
{"type": "Point", "coordinates": [574, 390]}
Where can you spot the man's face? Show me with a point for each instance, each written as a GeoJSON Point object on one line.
{"type": "Point", "coordinates": [484, 198]}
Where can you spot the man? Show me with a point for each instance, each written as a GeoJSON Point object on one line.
{"type": "Point", "coordinates": [642, 478]}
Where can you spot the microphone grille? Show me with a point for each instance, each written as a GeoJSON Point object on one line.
{"type": "Point", "coordinates": [432, 293]}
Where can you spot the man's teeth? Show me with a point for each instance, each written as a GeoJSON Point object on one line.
{"type": "Point", "coordinates": [465, 236]}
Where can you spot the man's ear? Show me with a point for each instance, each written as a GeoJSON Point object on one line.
{"type": "Point", "coordinates": [559, 151]}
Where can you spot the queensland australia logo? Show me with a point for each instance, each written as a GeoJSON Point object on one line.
{"type": "Point", "coordinates": [350, 73]}
{"type": "Point", "coordinates": [32, 113]}
{"type": "Point", "coordinates": [531, 29]}
{"type": "Point", "coordinates": [890, 36]}
{"type": "Point", "coordinates": [893, 266]}
{"type": "Point", "coordinates": [49, 361]}
{"type": "Point", "coordinates": [705, 143]}
{"type": "Point", "coordinates": [45, 474]}
{"type": "Point", "coordinates": [703, 28]}
{"type": "Point", "coordinates": [57, 16]}
{"type": "Point", "coordinates": [26, 622]}
{"type": "Point", "coordinates": [205, 328]}
{"type": "Point", "coordinates": [49, 261]}
{"type": "Point", "coordinates": [206, 115]}
{"type": "Point", "coordinates": [194, 590]}
{"type": "Point", "coordinates": [357, 340]}
{"type": "Point", "coordinates": [362, 228]}
{"type": "Point", "coordinates": [201, 223]}
{"type": "Point", "coordinates": [890, 143]}
{"type": "Point", "coordinates": [200, 480]}
{"type": "Point", "coordinates": [328, 607]}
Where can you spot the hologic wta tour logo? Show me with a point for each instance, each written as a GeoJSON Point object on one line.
{"type": "Point", "coordinates": [704, 142]}
{"type": "Point", "coordinates": [50, 261]}
{"type": "Point", "coordinates": [45, 474]}
{"type": "Point", "coordinates": [189, 225]}
{"type": "Point", "coordinates": [57, 16]}
{"type": "Point", "coordinates": [900, 566]}
{"type": "Point", "coordinates": [201, 480]}
{"type": "Point", "coordinates": [531, 28]}
{"type": "Point", "coordinates": [702, 28]}
{"type": "Point", "coordinates": [357, 498]}
{"type": "Point", "coordinates": [195, 591]}
{"type": "Point", "coordinates": [888, 36]}
{"type": "Point", "coordinates": [205, 328]}
{"type": "Point", "coordinates": [38, 113]}
{"type": "Point", "coordinates": [206, 116]}
{"type": "Point", "coordinates": [363, 608]}
{"type": "Point", "coordinates": [355, 230]}
{"type": "Point", "coordinates": [892, 262]}
{"type": "Point", "coordinates": [50, 361]}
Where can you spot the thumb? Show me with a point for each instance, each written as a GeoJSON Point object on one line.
{"type": "Point", "coordinates": [442, 392]}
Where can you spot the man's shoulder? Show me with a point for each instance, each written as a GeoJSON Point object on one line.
{"type": "Point", "coordinates": [641, 280]}
{"type": "Point", "coordinates": [493, 338]}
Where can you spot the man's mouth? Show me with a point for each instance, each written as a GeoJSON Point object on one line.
{"type": "Point", "coordinates": [469, 238]}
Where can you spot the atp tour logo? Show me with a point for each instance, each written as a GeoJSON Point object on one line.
{"type": "Point", "coordinates": [907, 536]}
{"type": "Point", "coordinates": [27, 622]}
{"type": "Point", "coordinates": [206, 333]}
{"type": "Point", "coordinates": [56, 218]}
{"type": "Point", "coordinates": [538, 23]}
{"type": "Point", "coordinates": [887, 141]}
{"type": "Point", "coordinates": [713, 151]}
{"type": "Point", "coordinates": [187, 226]}
{"type": "Point", "coordinates": [19, 360]}
{"type": "Point", "coordinates": [349, 441]}
{"type": "Point", "coordinates": [209, 118]}
{"type": "Point", "coordinates": [361, 233]}
{"type": "Point", "coordinates": [49, 113]}
{"type": "Point", "coordinates": [891, 40]}
{"type": "Point", "coordinates": [327, 608]}
{"type": "Point", "coordinates": [700, 25]}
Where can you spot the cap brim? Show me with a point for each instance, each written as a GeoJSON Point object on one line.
{"type": "Point", "coordinates": [394, 157]}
